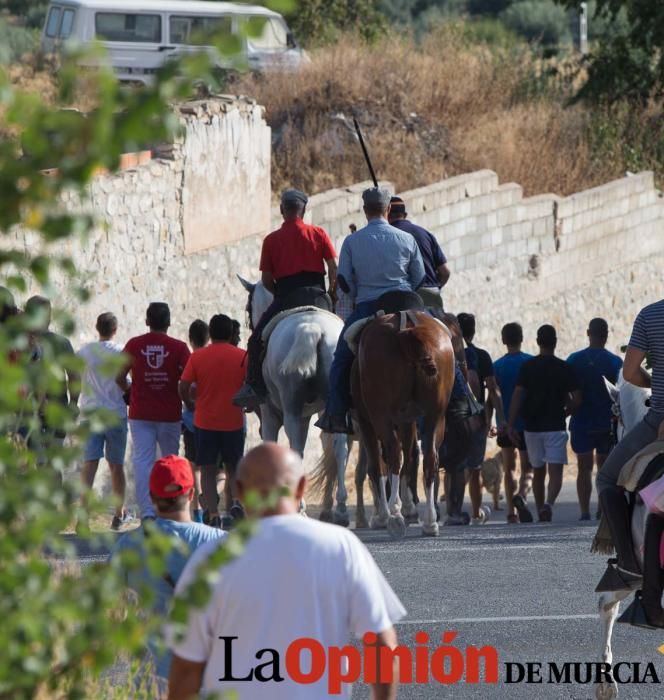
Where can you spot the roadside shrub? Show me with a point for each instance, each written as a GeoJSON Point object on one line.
{"type": "Point", "coordinates": [16, 42]}
{"type": "Point", "coordinates": [539, 21]}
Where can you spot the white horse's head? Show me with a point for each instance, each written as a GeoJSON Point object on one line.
{"type": "Point", "coordinates": [630, 403]}
{"type": "Point", "coordinates": [259, 299]}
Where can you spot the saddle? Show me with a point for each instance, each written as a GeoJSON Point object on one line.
{"type": "Point", "coordinates": [297, 302]}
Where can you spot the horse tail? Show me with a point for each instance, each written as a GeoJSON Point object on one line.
{"type": "Point", "coordinates": [321, 478]}
{"type": "Point", "coordinates": [413, 343]}
{"type": "Point", "coordinates": [302, 358]}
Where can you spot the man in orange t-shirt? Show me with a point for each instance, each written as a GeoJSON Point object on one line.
{"type": "Point", "coordinates": [218, 371]}
{"type": "Point", "coordinates": [293, 258]}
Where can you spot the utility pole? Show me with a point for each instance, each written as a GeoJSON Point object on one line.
{"type": "Point", "coordinates": [583, 28]}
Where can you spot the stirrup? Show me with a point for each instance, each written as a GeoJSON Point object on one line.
{"type": "Point", "coordinates": [635, 614]}
{"type": "Point", "coordinates": [613, 581]}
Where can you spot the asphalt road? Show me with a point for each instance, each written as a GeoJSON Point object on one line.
{"type": "Point", "coordinates": [525, 589]}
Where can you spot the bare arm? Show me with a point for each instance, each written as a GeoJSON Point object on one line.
{"type": "Point", "coordinates": [267, 278]}
{"type": "Point", "coordinates": [443, 273]}
{"type": "Point", "coordinates": [122, 381]}
{"type": "Point", "coordinates": [184, 389]}
{"type": "Point", "coordinates": [632, 370]}
{"type": "Point", "coordinates": [495, 400]}
{"type": "Point", "coordinates": [185, 679]}
{"type": "Point", "coordinates": [573, 402]}
{"type": "Point", "coordinates": [332, 275]}
{"type": "Point", "coordinates": [385, 691]}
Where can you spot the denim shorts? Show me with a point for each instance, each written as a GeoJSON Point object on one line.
{"type": "Point", "coordinates": [113, 439]}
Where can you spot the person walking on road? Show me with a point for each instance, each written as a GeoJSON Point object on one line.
{"type": "Point", "coordinates": [171, 491]}
{"type": "Point", "coordinates": [546, 393]}
{"type": "Point", "coordinates": [155, 361]}
{"type": "Point", "coordinates": [296, 579]}
{"type": "Point", "coordinates": [507, 371]}
{"type": "Point", "coordinates": [100, 391]}
{"type": "Point", "coordinates": [590, 426]}
{"type": "Point", "coordinates": [217, 371]}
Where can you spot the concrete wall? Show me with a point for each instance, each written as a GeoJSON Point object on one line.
{"type": "Point", "coordinates": [180, 227]}
{"type": "Point", "coordinates": [544, 259]}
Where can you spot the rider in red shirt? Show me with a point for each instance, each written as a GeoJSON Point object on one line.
{"type": "Point", "coordinates": [293, 257]}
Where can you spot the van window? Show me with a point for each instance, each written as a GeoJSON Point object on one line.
{"type": "Point", "coordinates": [197, 30]}
{"type": "Point", "coordinates": [120, 26]}
{"type": "Point", "coordinates": [67, 24]}
{"type": "Point", "coordinates": [272, 35]}
{"type": "Point", "coordinates": [53, 22]}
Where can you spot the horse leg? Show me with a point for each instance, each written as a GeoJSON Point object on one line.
{"type": "Point", "coordinates": [326, 514]}
{"type": "Point", "coordinates": [341, 451]}
{"type": "Point", "coordinates": [360, 477]}
{"type": "Point", "coordinates": [396, 525]}
{"type": "Point", "coordinates": [609, 604]}
{"type": "Point", "coordinates": [370, 441]}
{"type": "Point", "coordinates": [296, 428]}
{"type": "Point", "coordinates": [410, 463]}
{"type": "Point", "coordinates": [432, 437]}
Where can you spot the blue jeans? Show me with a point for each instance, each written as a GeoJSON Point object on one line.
{"type": "Point", "coordinates": [338, 400]}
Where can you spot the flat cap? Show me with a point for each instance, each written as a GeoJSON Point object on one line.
{"type": "Point", "coordinates": [376, 196]}
{"type": "Point", "coordinates": [293, 197]}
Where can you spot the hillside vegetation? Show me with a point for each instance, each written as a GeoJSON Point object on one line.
{"type": "Point", "coordinates": [444, 106]}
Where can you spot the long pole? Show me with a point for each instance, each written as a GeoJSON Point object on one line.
{"type": "Point", "coordinates": [366, 153]}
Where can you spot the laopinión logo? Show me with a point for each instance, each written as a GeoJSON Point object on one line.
{"type": "Point", "coordinates": [307, 661]}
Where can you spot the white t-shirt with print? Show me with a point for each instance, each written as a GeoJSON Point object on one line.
{"type": "Point", "coordinates": [98, 388]}
{"type": "Point", "coordinates": [296, 578]}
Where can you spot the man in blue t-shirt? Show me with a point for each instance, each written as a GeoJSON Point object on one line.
{"type": "Point", "coordinates": [436, 271]}
{"type": "Point", "coordinates": [171, 491]}
{"type": "Point", "coordinates": [590, 426]}
{"type": "Point", "coordinates": [506, 370]}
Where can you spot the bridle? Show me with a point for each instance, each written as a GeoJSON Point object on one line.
{"type": "Point", "coordinates": [248, 308]}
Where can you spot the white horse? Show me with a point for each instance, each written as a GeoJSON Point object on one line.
{"type": "Point", "coordinates": [296, 370]}
{"type": "Point", "coordinates": [630, 407]}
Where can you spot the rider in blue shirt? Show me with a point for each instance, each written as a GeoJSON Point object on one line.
{"type": "Point", "coordinates": [590, 426]}
{"type": "Point", "coordinates": [375, 260]}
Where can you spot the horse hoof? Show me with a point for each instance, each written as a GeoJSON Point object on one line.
{"type": "Point", "coordinates": [326, 516]}
{"type": "Point", "coordinates": [396, 527]}
{"type": "Point", "coordinates": [487, 511]}
{"type": "Point", "coordinates": [361, 522]}
{"type": "Point", "coordinates": [341, 519]}
{"type": "Point", "coordinates": [606, 691]}
{"type": "Point", "coordinates": [378, 523]}
{"type": "Point", "coordinates": [430, 530]}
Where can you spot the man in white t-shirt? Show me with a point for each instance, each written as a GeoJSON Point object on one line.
{"type": "Point", "coordinates": [100, 391]}
{"type": "Point", "coordinates": [296, 579]}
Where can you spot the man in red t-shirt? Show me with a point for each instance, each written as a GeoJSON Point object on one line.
{"type": "Point", "coordinates": [218, 371]}
{"type": "Point", "coordinates": [156, 362]}
{"type": "Point", "coordinates": [293, 258]}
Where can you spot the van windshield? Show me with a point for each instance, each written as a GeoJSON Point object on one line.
{"type": "Point", "coordinates": [267, 35]}
{"type": "Point", "coordinates": [198, 31]}
{"type": "Point", "coordinates": [121, 26]}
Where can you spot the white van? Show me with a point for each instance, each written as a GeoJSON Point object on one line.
{"type": "Point", "coordinates": [140, 35]}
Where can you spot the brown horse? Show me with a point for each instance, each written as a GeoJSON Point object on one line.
{"type": "Point", "coordinates": [398, 377]}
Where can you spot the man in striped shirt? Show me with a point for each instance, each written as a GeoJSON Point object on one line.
{"type": "Point", "coordinates": [647, 338]}
{"type": "Point", "coordinates": [377, 259]}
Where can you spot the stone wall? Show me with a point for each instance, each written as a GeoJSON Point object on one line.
{"type": "Point", "coordinates": [543, 259]}
{"type": "Point", "coordinates": [181, 226]}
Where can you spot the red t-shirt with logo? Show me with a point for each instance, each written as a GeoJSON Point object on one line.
{"type": "Point", "coordinates": [218, 370]}
{"type": "Point", "coordinates": [296, 247]}
{"type": "Point", "coordinates": [157, 361]}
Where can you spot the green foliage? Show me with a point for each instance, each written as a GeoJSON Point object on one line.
{"type": "Point", "coordinates": [488, 7]}
{"type": "Point", "coordinates": [319, 22]}
{"type": "Point", "coordinates": [15, 42]}
{"type": "Point", "coordinates": [60, 628]}
{"type": "Point", "coordinates": [540, 21]}
{"type": "Point", "coordinates": [31, 12]}
{"type": "Point", "coordinates": [491, 32]}
{"type": "Point", "coordinates": [628, 61]}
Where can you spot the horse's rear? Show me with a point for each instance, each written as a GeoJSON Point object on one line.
{"type": "Point", "coordinates": [401, 376]}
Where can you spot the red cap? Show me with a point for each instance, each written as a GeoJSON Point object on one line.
{"type": "Point", "coordinates": [171, 477]}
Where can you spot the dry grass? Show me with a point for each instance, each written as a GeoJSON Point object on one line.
{"type": "Point", "coordinates": [429, 112]}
